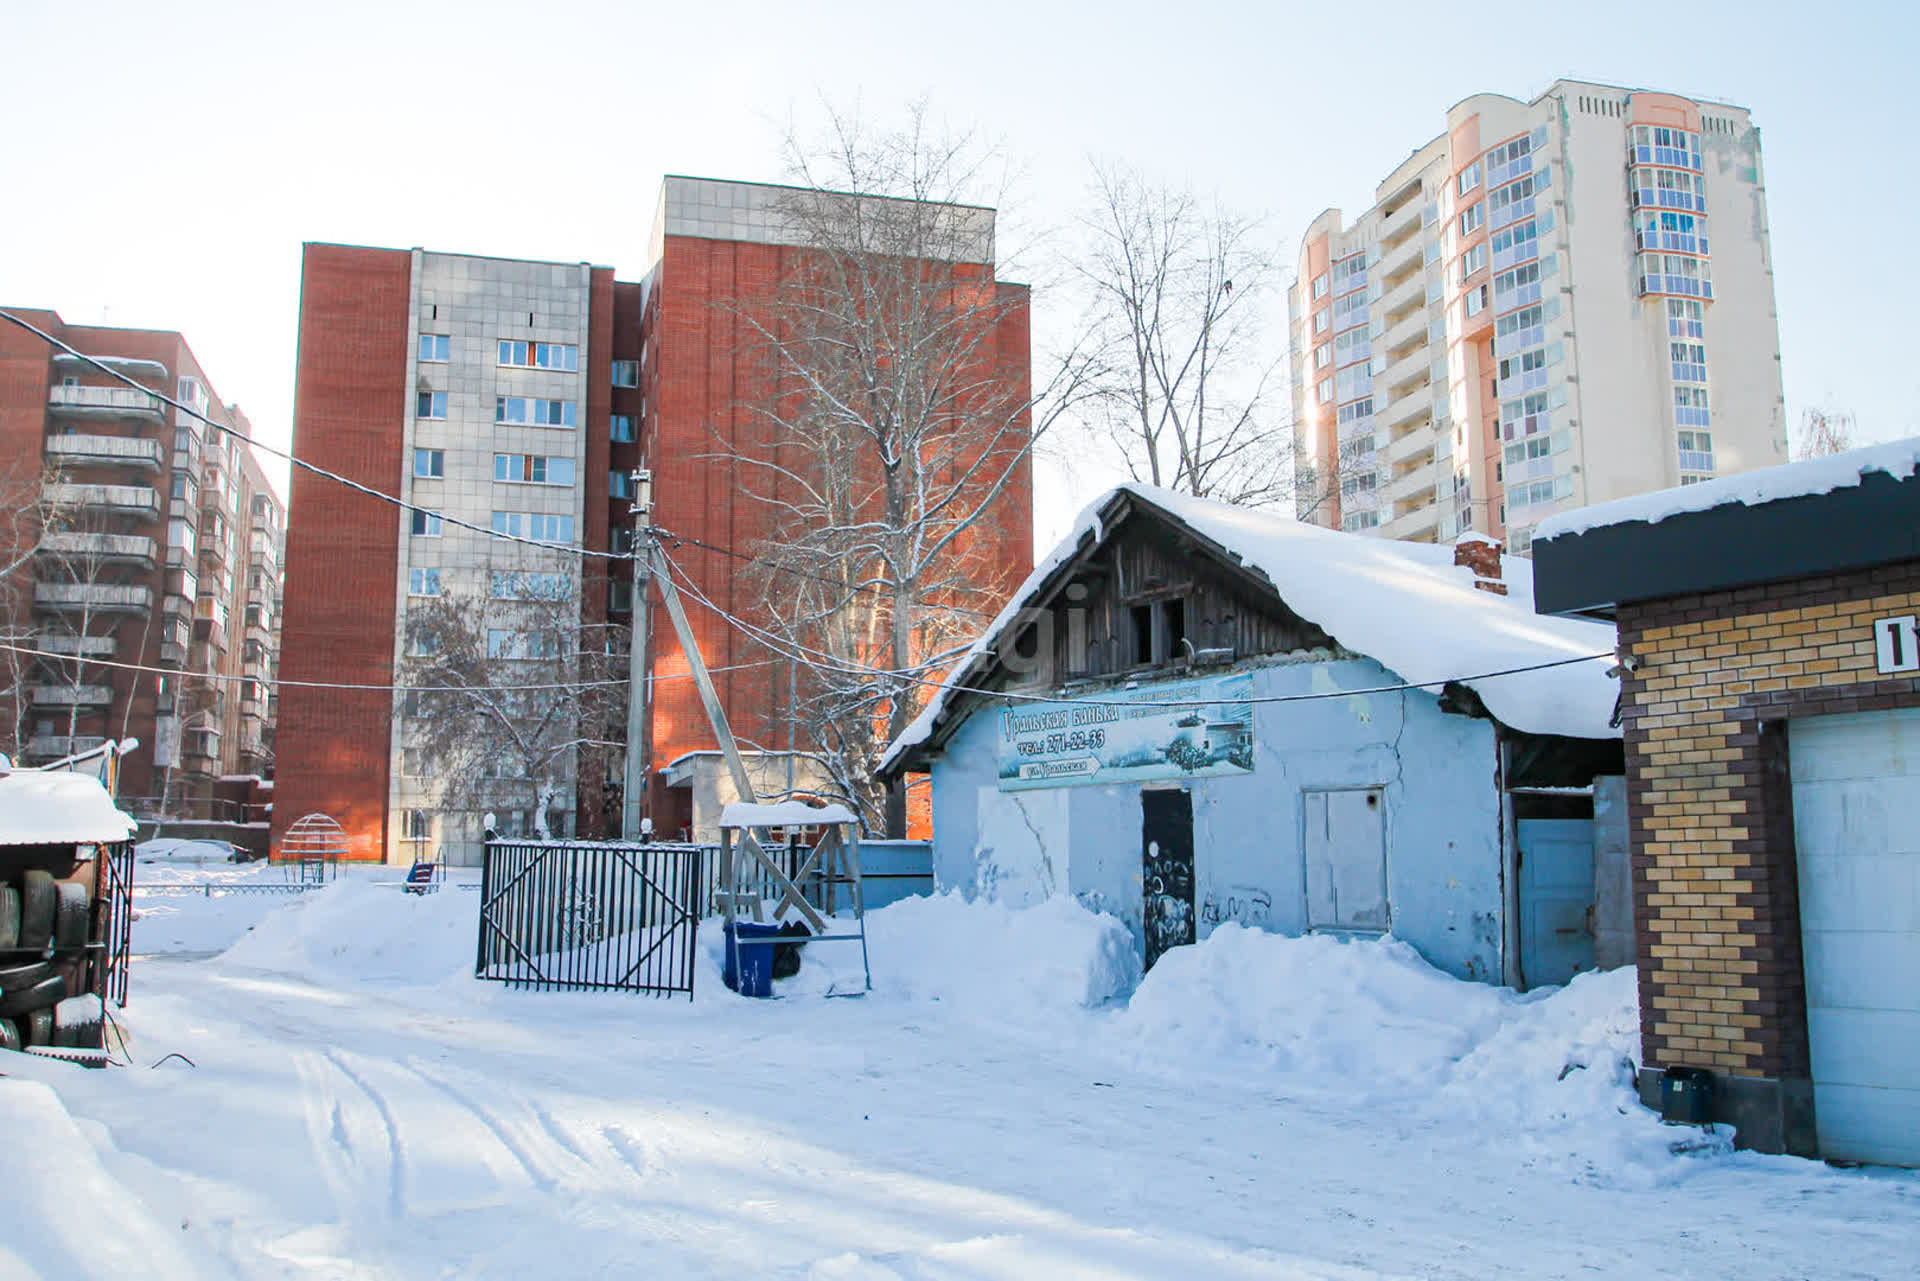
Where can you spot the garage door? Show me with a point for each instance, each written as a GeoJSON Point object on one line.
{"type": "Point", "coordinates": [1856, 819]}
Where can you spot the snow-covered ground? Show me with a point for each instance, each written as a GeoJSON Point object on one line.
{"type": "Point", "coordinates": [351, 1103]}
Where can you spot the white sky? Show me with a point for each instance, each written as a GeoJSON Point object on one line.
{"type": "Point", "coordinates": [164, 162]}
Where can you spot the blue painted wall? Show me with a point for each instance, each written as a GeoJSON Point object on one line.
{"type": "Point", "coordinates": [1443, 818]}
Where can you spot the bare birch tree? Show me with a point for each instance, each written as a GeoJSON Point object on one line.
{"type": "Point", "coordinates": [26, 513]}
{"type": "Point", "coordinates": [898, 433]}
{"type": "Point", "coordinates": [513, 697]}
{"type": "Point", "coordinates": [1823, 432]}
{"type": "Point", "coordinates": [1190, 398]}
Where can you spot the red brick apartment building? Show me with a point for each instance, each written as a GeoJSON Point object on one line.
{"type": "Point", "coordinates": [160, 549]}
{"type": "Point", "coordinates": [414, 370]}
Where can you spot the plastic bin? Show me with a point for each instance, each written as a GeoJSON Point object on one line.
{"type": "Point", "coordinates": [748, 965]}
{"type": "Point", "coordinates": [1686, 1096]}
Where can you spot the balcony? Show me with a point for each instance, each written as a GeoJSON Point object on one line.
{"type": "Point", "coordinates": [1406, 410]}
{"type": "Point", "coordinates": [55, 746]}
{"type": "Point", "coordinates": [172, 654]}
{"type": "Point", "coordinates": [1412, 484]}
{"type": "Point", "coordinates": [136, 550]}
{"type": "Point", "coordinates": [1407, 330]}
{"type": "Point", "coordinates": [211, 632]}
{"type": "Point", "coordinates": [83, 450]}
{"type": "Point", "coordinates": [1401, 223]}
{"type": "Point", "coordinates": [107, 402]}
{"type": "Point", "coordinates": [1408, 445]}
{"type": "Point", "coordinates": [1413, 521]}
{"type": "Point", "coordinates": [263, 548]}
{"type": "Point", "coordinates": [1411, 292]}
{"type": "Point", "coordinates": [120, 500]}
{"type": "Point", "coordinates": [72, 646]}
{"type": "Point", "coordinates": [1403, 373]}
{"type": "Point", "coordinates": [70, 695]}
{"type": "Point", "coordinates": [93, 598]}
{"type": "Point", "coordinates": [260, 632]}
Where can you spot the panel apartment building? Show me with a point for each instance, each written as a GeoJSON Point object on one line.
{"type": "Point", "coordinates": [1552, 304]}
{"type": "Point", "coordinates": [517, 397]}
{"type": "Point", "coordinates": [156, 545]}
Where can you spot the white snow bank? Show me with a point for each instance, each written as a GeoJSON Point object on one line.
{"type": "Point", "coordinates": [1370, 1022]}
{"type": "Point", "coordinates": [58, 808]}
{"type": "Point", "coordinates": [66, 1215]}
{"type": "Point", "coordinates": [1770, 484]}
{"type": "Point", "coordinates": [179, 849]}
{"type": "Point", "coordinates": [783, 814]}
{"type": "Point", "coordinates": [359, 932]}
{"type": "Point", "coordinates": [1020, 964]}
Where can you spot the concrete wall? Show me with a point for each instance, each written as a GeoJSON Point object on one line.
{"type": "Point", "coordinates": [1443, 822]}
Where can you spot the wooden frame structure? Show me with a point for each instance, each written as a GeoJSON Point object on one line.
{"type": "Point", "coordinates": [749, 875]}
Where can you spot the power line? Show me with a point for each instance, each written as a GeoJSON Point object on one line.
{"type": "Point", "coordinates": [184, 674]}
{"type": "Point", "coordinates": [303, 464]}
{"type": "Point", "coordinates": [846, 668]}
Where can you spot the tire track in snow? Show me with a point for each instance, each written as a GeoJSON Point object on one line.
{"type": "Point", "coordinates": [542, 1174]}
{"type": "Point", "coordinates": [396, 1152]}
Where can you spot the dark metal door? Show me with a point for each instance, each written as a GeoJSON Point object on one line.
{"type": "Point", "coordinates": [1166, 870]}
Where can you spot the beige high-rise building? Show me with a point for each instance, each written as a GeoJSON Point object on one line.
{"type": "Point", "coordinates": [1554, 303]}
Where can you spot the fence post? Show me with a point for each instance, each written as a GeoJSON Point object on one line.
{"type": "Point", "coordinates": [487, 838]}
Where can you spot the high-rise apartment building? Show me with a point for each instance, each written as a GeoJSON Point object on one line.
{"type": "Point", "coordinates": [155, 544]}
{"type": "Point", "coordinates": [1554, 303]}
{"type": "Point", "coordinates": [516, 397]}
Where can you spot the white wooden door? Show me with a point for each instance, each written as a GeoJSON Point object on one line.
{"type": "Point", "coordinates": [1856, 821]}
{"type": "Point", "coordinates": [1346, 856]}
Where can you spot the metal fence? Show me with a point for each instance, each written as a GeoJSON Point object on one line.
{"type": "Point", "coordinates": [116, 921]}
{"type": "Point", "coordinates": [590, 915]}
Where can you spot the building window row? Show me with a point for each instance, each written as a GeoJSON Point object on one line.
{"type": "Point", "coordinates": [1357, 522]}
{"type": "Point", "coordinates": [539, 355]}
{"type": "Point", "coordinates": [1359, 409]}
{"type": "Point", "coordinates": [1516, 199]}
{"type": "Point", "coordinates": [1349, 310]}
{"type": "Point", "coordinates": [524, 585]}
{"type": "Point", "coordinates": [1353, 345]}
{"type": "Point", "coordinates": [1526, 416]}
{"type": "Point", "coordinates": [1522, 372]}
{"type": "Point", "coordinates": [1664, 229]}
{"type": "Point", "coordinates": [1535, 492]}
{"type": "Point", "coordinates": [1667, 189]}
{"type": "Point", "coordinates": [1519, 329]}
{"type": "Point", "coordinates": [1518, 243]}
{"type": "Point", "coordinates": [1696, 451]}
{"type": "Point", "coordinates": [1353, 382]}
{"type": "Point", "coordinates": [1513, 157]}
{"type": "Point", "coordinates": [506, 643]}
{"type": "Point", "coordinates": [534, 412]}
{"type": "Point", "coordinates": [1685, 318]}
{"type": "Point", "coordinates": [1350, 273]}
{"type": "Point", "coordinates": [1689, 361]}
{"type": "Point", "coordinates": [1675, 274]}
{"type": "Point", "coordinates": [1659, 145]}
{"type": "Point", "coordinates": [533, 469]}
{"type": "Point", "coordinates": [1690, 407]}
{"type": "Point", "coordinates": [1517, 287]}
{"type": "Point", "coordinates": [538, 526]}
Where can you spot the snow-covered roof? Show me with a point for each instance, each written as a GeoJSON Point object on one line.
{"type": "Point", "coordinates": [783, 814]}
{"type": "Point", "coordinates": [1770, 484]}
{"type": "Point", "coordinates": [1406, 605]}
{"type": "Point", "coordinates": [58, 808]}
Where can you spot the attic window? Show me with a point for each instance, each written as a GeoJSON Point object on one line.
{"type": "Point", "coordinates": [1176, 616]}
{"type": "Point", "coordinates": [1159, 628]}
{"type": "Point", "coordinates": [1142, 635]}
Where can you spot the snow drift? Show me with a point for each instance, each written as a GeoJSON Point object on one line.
{"type": "Point", "coordinates": [357, 931]}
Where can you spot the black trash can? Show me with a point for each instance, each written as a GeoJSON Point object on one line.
{"type": "Point", "coordinates": [1686, 1096]}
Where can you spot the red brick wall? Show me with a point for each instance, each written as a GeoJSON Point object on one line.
{"type": "Point", "coordinates": [703, 375]}
{"type": "Point", "coordinates": [343, 548]}
{"type": "Point", "coordinates": [25, 373]}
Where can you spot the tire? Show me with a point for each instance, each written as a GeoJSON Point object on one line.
{"type": "Point", "coordinates": [37, 1028]}
{"type": "Point", "coordinates": [70, 914]}
{"type": "Point", "coordinates": [10, 1036]}
{"type": "Point", "coordinates": [37, 901]}
{"type": "Point", "coordinates": [76, 1025]}
{"type": "Point", "coordinates": [15, 977]}
{"type": "Point", "coordinates": [48, 991]}
{"type": "Point", "coordinates": [9, 916]}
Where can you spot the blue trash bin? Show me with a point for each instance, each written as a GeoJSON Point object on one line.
{"type": "Point", "coordinates": [748, 966]}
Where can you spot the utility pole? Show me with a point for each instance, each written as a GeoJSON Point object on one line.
{"type": "Point", "coordinates": [634, 776]}
{"type": "Point", "coordinates": [650, 562]}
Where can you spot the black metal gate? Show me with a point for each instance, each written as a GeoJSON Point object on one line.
{"type": "Point", "coordinates": [115, 893]}
{"type": "Point", "coordinates": [586, 914]}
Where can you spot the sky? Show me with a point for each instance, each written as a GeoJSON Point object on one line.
{"type": "Point", "coordinates": [167, 161]}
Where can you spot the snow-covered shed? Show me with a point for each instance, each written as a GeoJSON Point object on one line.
{"type": "Point", "coordinates": [1193, 713]}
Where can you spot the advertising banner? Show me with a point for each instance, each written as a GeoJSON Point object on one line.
{"type": "Point", "coordinates": [1120, 736]}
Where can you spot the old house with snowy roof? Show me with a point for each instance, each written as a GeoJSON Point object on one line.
{"type": "Point", "coordinates": [1193, 714]}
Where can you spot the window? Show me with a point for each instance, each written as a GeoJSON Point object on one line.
{"type": "Point", "coordinates": [426, 524]}
{"type": "Point", "coordinates": [1517, 287]}
{"type": "Point", "coordinates": [429, 464]}
{"type": "Point", "coordinates": [1353, 382]}
{"type": "Point", "coordinates": [502, 643]}
{"type": "Point", "coordinates": [433, 404]}
{"type": "Point", "coordinates": [620, 596]}
{"type": "Point", "coordinates": [1476, 300]}
{"type": "Point", "coordinates": [1350, 273]}
{"type": "Point", "coordinates": [619, 483]}
{"type": "Point", "coordinates": [539, 355]}
{"type": "Point", "coordinates": [1320, 285]}
{"type": "Point", "coordinates": [1690, 407]}
{"type": "Point", "coordinates": [620, 427]}
{"type": "Point", "coordinates": [534, 412]}
{"type": "Point", "coordinates": [1473, 217]}
{"type": "Point", "coordinates": [1322, 356]}
{"type": "Point", "coordinates": [1358, 483]}
{"type": "Point", "coordinates": [1321, 320]}
{"type": "Point", "coordinates": [525, 585]}
{"type": "Point", "coordinates": [415, 764]}
{"type": "Point", "coordinates": [533, 469]}
{"type": "Point", "coordinates": [535, 525]}
{"type": "Point", "coordinates": [1696, 451]}
{"type": "Point", "coordinates": [1351, 346]}
{"type": "Point", "coordinates": [1354, 522]}
{"type": "Point", "coordinates": [1689, 361]}
{"type": "Point", "coordinates": [1356, 411]}
{"type": "Point", "coordinates": [433, 347]}
{"type": "Point", "coordinates": [626, 373]}
{"type": "Point", "coordinates": [423, 582]}
{"type": "Point", "coordinates": [1685, 318]}
{"type": "Point", "coordinates": [1469, 178]}
{"type": "Point", "coordinates": [1350, 310]}
{"type": "Point", "coordinates": [1475, 259]}
{"type": "Point", "coordinates": [419, 826]}
{"type": "Point", "coordinates": [1524, 416]}
{"type": "Point", "coordinates": [422, 644]}
{"type": "Point", "coordinates": [1324, 391]}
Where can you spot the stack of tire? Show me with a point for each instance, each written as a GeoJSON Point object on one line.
{"type": "Point", "coordinates": [43, 934]}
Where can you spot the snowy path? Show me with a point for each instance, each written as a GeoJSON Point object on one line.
{"type": "Point", "coordinates": [427, 1132]}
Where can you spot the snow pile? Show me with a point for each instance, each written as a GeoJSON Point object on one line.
{"type": "Point", "coordinates": [1768, 485]}
{"type": "Point", "coordinates": [66, 1215]}
{"type": "Point", "coordinates": [58, 808]}
{"type": "Point", "coordinates": [1372, 1015]}
{"type": "Point", "coordinates": [1019, 964]}
{"type": "Point", "coordinates": [1370, 1023]}
{"type": "Point", "coordinates": [360, 932]}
